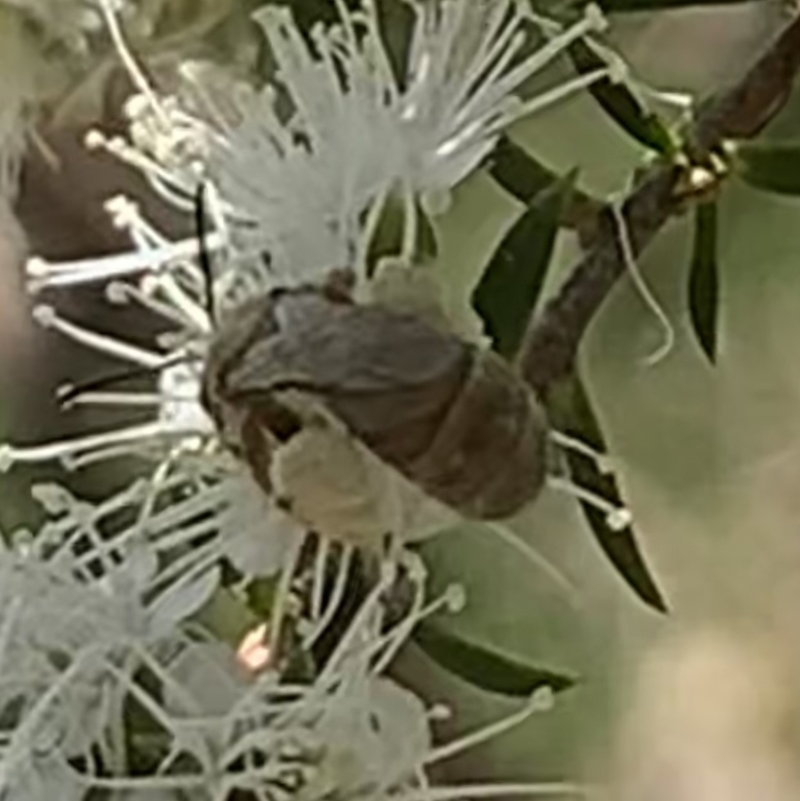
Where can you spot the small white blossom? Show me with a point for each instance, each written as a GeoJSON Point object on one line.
{"type": "Point", "coordinates": [71, 640]}
{"type": "Point", "coordinates": [79, 646]}
{"type": "Point", "coordinates": [307, 184]}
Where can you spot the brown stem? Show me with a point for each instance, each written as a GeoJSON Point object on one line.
{"type": "Point", "coordinates": [551, 343]}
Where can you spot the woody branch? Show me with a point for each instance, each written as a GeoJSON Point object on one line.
{"type": "Point", "coordinates": [553, 337]}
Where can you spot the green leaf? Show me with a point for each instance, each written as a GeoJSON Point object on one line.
{"type": "Point", "coordinates": [510, 285]}
{"type": "Point", "coordinates": [260, 593]}
{"type": "Point", "coordinates": [771, 166]}
{"type": "Point", "coordinates": [517, 171]}
{"type": "Point", "coordinates": [227, 616]}
{"type": "Point", "coordinates": [620, 103]}
{"type": "Point", "coordinates": [658, 5]}
{"type": "Point", "coordinates": [485, 666]}
{"type": "Point", "coordinates": [704, 279]}
{"type": "Point", "coordinates": [571, 413]}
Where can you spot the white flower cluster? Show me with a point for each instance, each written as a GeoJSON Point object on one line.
{"type": "Point", "coordinates": [109, 680]}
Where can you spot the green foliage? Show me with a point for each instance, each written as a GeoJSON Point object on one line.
{"type": "Point", "coordinates": [773, 166]}
{"type": "Point", "coordinates": [571, 413]}
{"type": "Point", "coordinates": [227, 617]}
{"type": "Point", "coordinates": [518, 171]}
{"type": "Point", "coordinates": [260, 593]}
{"type": "Point", "coordinates": [704, 279]}
{"type": "Point", "coordinates": [485, 666]}
{"type": "Point", "coordinates": [510, 285]}
{"type": "Point", "coordinates": [621, 105]}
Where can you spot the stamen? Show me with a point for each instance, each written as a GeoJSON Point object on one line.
{"type": "Point", "coordinates": [493, 43]}
{"type": "Point", "coordinates": [540, 700]}
{"type": "Point", "coordinates": [47, 317]}
{"type": "Point", "coordinates": [638, 281]}
{"type": "Point", "coordinates": [683, 101]}
{"type": "Point", "coordinates": [145, 399]}
{"type": "Point", "coordinates": [10, 454]}
{"type": "Point", "coordinates": [282, 592]}
{"type": "Point", "coordinates": [192, 310]}
{"type": "Point", "coordinates": [129, 62]}
{"type": "Point", "coordinates": [347, 645]}
{"type": "Point", "coordinates": [368, 230]}
{"type": "Point", "coordinates": [168, 183]}
{"type": "Point", "coordinates": [318, 582]}
{"type": "Point", "coordinates": [43, 274]}
{"type": "Point", "coordinates": [567, 442]}
{"type": "Point", "coordinates": [337, 596]}
{"type": "Point", "coordinates": [617, 517]}
{"type": "Point", "coordinates": [119, 292]}
{"type": "Point", "coordinates": [518, 110]}
{"type": "Point", "coordinates": [410, 227]}
{"type": "Point", "coordinates": [452, 599]}
{"type": "Point", "coordinates": [542, 56]}
{"type": "Point", "coordinates": [463, 792]}
{"type": "Point", "coordinates": [505, 50]}
{"type": "Point", "coordinates": [396, 637]}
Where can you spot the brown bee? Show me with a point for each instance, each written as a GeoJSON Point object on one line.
{"type": "Point", "coordinates": [454, 419]}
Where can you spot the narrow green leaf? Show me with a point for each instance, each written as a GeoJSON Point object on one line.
{"type": "Point", "coordinates": [659, 5]}
{"type": "Point", "coordinates": [771, 166]}
{"type": "Point", "coordinates": [510, 285]}
{"type": "Point", "coordinates": [523, 176]}
{"type": "Point", "coordinates": [621, 105]}
{"type": "Point", "coordinates": [227, 616]}
{"type": "Point", "coordinates": [517, 171]}
{"type": "Point", "coordinates": [485, 666]}
{"type": "Point", "coordinates": [260, 594]}
{"type": "Point", "coordinates": [704, 279]}
{"type": "Point", "coordinates": [571, 413]}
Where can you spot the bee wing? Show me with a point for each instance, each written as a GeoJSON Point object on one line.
{"type": "Point", "coordinates": [389, 377]}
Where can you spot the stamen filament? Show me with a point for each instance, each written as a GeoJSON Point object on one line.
{"type": "Point", "coordinates": [10, 454]}
{"type": "Point", "coordinates": [337, 596]}
{"type": "Point", "coordinates": [43, 274]}
{"type": "Point", "coordinates": [499, 790]}
{"type": "Point", "coordinates": [491, 731]}
{"type": "Point", "coordinates": [570, 443]}
{"type": "Point", "coordinates": [617, 517]}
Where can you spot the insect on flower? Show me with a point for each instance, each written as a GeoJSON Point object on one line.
{"type": "Point", "coordinates": [453, 418]}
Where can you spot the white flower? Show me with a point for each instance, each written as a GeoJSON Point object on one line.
{"type": "Point", "coordinates": [74, 630]}
{"type": "Point", "coordinates": [75, 665]}
{"type": "Point", "coordinates": [306, 165]}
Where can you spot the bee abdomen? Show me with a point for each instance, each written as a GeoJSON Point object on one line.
{"type": "Point", "coordinates": [489, 456]}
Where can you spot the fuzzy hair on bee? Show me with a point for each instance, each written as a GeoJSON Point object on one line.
{"type": "Point", "coordinates": [454, 419]}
